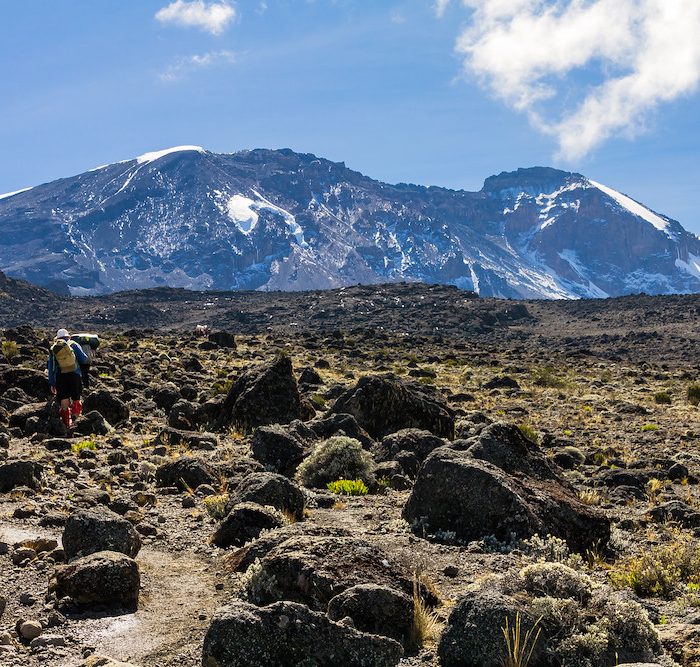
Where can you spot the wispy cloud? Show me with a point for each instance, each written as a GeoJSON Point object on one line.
{"type": "Point", "coordinates": [531, 54]}
{"type": "Point", "coordinates": [212, 17]}
{"type": "Point", "coordinates": [187, 64]}
{"type": "Point", "coordinates": [440, 6]}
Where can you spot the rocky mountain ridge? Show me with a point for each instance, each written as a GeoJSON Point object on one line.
{"type": "Point", "coordinates": [280, 220]}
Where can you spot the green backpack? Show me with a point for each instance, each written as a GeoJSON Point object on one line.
{"type": "Point", "coordinates": [64, 355]}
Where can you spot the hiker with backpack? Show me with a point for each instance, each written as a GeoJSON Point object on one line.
{"type": "Point", "coordinates": [65, 359]}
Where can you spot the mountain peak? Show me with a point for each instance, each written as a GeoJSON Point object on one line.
{"type": "Point", "coordinates": [539, 178]}
{"type": "Point", "coordinates": [156, 155]}
{"type": "Point", "coordinates": [281, 220]}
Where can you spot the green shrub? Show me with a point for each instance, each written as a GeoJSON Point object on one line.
{"type": "Point", "coordinates": [216, 505]}
{"type": "Point", "coordinates": [545, 377]}
{"type": "Point", "coordinates": [9, 349]}
{"type": "Point", "coordinates": [85, 444]}
{"type": "Point", "coordinates": [348, 487]}
{"type": "Point", "coordinates": [650, 427]}
{"type": "Point", "coordinates": [660, 571]}
{"type": "Point", "coordinates": [662, 398]}
{"type": "Point", "coordinates": [338, 457]}
{"type": "Point", "coordinates": [694, 394]}
{"type": "Point", "coordinates": [555, 580]}
{"type": "Point", "coordinates": [529, 432]}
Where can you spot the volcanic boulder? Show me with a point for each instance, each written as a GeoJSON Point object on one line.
{"type": "Point", "coordinates": [244, 523]}
{"type": "Point", "coordinates": [378, 610]}
{"type": "Point", "coordinates": [266, 394]}
{"type": "Point", "coordinates": [473, 636]}
{"type": "Point", "coordinates": [33, 383]}
{"type": "Point", "coordinates": [89, 531]}
{"type": "Point", "coordinates": [386, 404]}
{"type": "Point", "coordinates": [103, 579]}
{"type": "Point", "coordinates": [113, 409]}
{"type": "Point", "coordinates": [277, 449]}
{"type": "Point", "coordinates": [267, 488]}
{"type": "Point", "coordinates": [187, 472]}
{"type": "Point", "coordinates": [286, 634]}
{"type": "Point", "coordinates": [313, 570]}
{"type": "Point", "coordinates": [20, 473]}
{"type": "Point", "coordinates": [409, 446]}
{"type": "Point", "coordinates": [472, 497]}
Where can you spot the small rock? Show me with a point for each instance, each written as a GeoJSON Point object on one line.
{"type": "Point", "coordinates": [30, 630]}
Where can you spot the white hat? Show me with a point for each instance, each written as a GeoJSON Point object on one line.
{"type": "Point", "coordinates": [62, 333]}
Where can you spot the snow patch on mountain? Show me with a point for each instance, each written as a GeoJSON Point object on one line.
{"type": "Point", "coordinates": [293, 226]}
{"type": "Point", "coordinates": [241, 210]}
{"type": "Point", "coordinates": [572, 259]}
{"type": "Point", "coordinates": [692, 266]}
{"type": "Point", "coordinates": [156, 155]}
{"type": "Point", "coordinates": [7, 195]}
{"type": "Point", "coordinates": [547, 202]}
{"type": "Point", "coordinates": [635, 207]}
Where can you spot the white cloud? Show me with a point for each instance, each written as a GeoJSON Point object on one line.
{"type": "Point", "coordinates": [440, 6]}
{"type": "Point", "coordinates": [532, 53]}
{"type": "Point", "coordinates": [213, 17]}
{"type": "Point", "coordinates": [184, 65]}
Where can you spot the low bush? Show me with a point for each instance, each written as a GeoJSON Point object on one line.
{"type": "Point", "coordinates": [78, 447]}
{"type": "Point", "coordinates": [694, 394]}
{"type": "Point", "coordinates": [348, 487]}
{"type": "Point", "coordinates": [336, 458]}
{"type": "Point", "coordinates": [662, 398]}
{"type": "Point", "coordinates": [661, 571]}
{"type": "Point", "coordinates": [555, 580]}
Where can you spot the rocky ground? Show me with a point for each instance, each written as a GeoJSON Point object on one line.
{"type": "Point", "coordinates": [185, 520]}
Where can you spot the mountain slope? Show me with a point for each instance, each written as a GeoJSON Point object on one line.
{"type": "Point", "coordinates": [264, 219]}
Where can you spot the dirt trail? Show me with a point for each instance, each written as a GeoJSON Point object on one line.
{"type": "Point", "coordinates": [178, 597]}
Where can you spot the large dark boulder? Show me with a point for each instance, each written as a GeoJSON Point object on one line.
{"type": "Point", "coordinates": [467, 494]}
{"type": "Point", "coordinates": [103, 579]}
{"type": "Point", "coordinates": [277, 449]}
{"type": "Point", "coordinates": [223, 339]}
{"type": "Point", "coordinates": [266, 394]}
{"type": "Point", "coordinates": [286, 634]}
{"type": "Point", "coordinates": [340, 424]}
{"type": "Point", "coordinates": [183, 415]}
{"type": "Point", "coordinates": [195, 440]}
{"type": "Point", "coordinates": [473, 636]}
{"type": "Point", "coordinates": [89, 531]}
{"type": "Point", "coordinates": [187, 472]}
{"type": "Point", "coordinates": [92, 423]}
{"type": "Point", "coordinates": [386, 404]}
{"type": "Point", "coordinates": [37, 418]}
{"type": "Point", "coordinates": [166, 396]}
{"type": "Point", "coordinates": [268, 488]}
{"type": "Point", "coordinates": [20, 473]}
{"type": "Point", "coordinates": [313, 570]}
{"type": "Point", "coordinates": [113, 409]}
{"type": "Point", "coordinates": [34, 383]}
{"type": "Point", "coordinates": [378, 610]}
{"type": "Point", "coordinates": [410, 441]}
{"type": "Point", "coordinates": [241, 559]}
{"type": "Point", "coordinates": [244, 523]}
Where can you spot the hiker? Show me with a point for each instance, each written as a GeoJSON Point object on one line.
{"type": "Point", "coordinates": [65, 359]}
{"type": "Point", "coordinates": [89, 344]}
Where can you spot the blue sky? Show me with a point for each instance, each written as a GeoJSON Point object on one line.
{"type": "Point", "coordinates": [403, 90]}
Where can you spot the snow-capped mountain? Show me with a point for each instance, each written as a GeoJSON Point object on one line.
{"type": "Point", "coordinates": [266, 219]}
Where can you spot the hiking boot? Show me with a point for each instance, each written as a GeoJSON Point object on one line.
{"type": "Point", "coordinates": [66, 417]}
